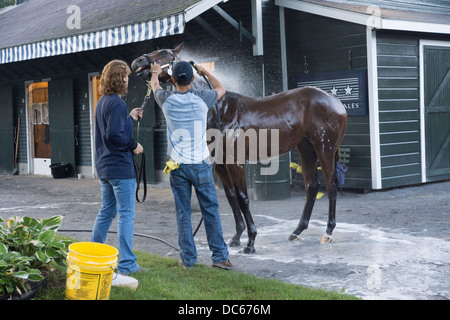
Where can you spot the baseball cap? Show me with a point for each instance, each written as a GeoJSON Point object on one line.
{"type": "Point", "coordinates": [183, 73]}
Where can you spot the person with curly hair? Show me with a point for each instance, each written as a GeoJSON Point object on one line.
{"type": "Point", "coordinates": [114, 149]}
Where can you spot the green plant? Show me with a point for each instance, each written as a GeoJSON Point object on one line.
{"type": "Point", "coordinates": [15, 272]}
{"type": "Point", "coordinates": [27, 248]}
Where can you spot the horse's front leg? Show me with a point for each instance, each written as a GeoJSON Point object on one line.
{"type": "Point", "coordinates": [237, 175]}
{"type": "Point", "coordinates": [232, 198]}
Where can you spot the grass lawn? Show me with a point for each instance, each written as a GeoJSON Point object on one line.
{"type": "Point", "coordinates": [166, 280]}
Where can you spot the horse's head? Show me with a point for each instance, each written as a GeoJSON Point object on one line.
{"type": "Point", "coordinates": [164, 57]}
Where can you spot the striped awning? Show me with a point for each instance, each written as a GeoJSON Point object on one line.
{"type": "Point", "coordinates": [96, 40]}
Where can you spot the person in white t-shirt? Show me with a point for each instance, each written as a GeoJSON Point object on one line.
{"type": "Point", "coordinates": [185, 111]}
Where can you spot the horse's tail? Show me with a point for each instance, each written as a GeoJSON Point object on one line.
{"type": "Point", "coordinates": [336, 160]}
{"type": "Point", "coordinates": [336, 155]}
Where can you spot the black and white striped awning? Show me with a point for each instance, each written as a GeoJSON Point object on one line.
{"type": "Point", "coordinates": [167, 26]}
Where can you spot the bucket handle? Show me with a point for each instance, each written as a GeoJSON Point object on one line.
{"type": "Point", "coordinates": [114, 272]}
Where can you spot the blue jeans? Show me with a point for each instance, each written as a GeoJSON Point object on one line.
{"type": "Point", "coordinates": [118, 196]}
{"type": "Point", "coordinates": [181, 180]}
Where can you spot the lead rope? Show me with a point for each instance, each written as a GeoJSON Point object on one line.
{"type": "Point", "coordinates": [140, 170]}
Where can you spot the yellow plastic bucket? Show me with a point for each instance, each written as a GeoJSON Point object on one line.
{"type": "Point", "coordinates": [90, 270]}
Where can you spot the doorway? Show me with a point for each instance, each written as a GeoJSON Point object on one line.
{"type": "Point", "coordinates": [39, 124]}
{"type": "Point", "coordinates": [94, 94]}
{"type": "Point", "coordinates": [435, 105]}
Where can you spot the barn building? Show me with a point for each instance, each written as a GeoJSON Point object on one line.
{"type": "Point", "coordinates": [388, 61]}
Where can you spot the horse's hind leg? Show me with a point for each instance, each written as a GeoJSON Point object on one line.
{"type": "Point", "coordinates": [308, 159]}
{"type": "Point", "coordinates": [328, 163]}
{"type": "Point", "coordinates": [230, 193]}
{"type": "Point", "coordinates": [237, 175]}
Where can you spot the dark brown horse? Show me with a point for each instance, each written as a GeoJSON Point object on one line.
{"type": "Point", "coordinates": [307, 118]}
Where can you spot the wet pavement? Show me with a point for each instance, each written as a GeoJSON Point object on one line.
{"type": "Point", "coordinates": [392, 244]}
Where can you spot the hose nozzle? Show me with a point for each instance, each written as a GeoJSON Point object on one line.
{"type": "Point", "coordinates": [193, 65]}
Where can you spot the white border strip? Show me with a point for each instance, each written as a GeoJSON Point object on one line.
{"type": "Point", "coordinates": [370, 19]}
{"type": "Point", "coordinates": [95, 40]}
{"type": "Point", "coordinates": [257, 27]}
{"type": "Point", "coordinates": [284, 73]}
{"type": "Point", "coordinates": [422, 44]}
{"type": "Point", "coordinates": [374, 121]}
{"type": "Point", "coordinates": [200, 7]}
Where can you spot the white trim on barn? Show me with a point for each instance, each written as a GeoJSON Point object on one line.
{"type": "Point", "coordinates": [284, 72]}
{"type": "Point", "coordinates": [372, 18]}
{"type": "Point", "coordinates": [374, 121]}
{"type": "Point", "coordinates": [198, 8]}
{"type": "Point", "coordinates": [257, 27]}
{"type": "Point", "coordinates": [324, 11]}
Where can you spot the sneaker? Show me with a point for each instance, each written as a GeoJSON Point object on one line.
{"type": "Point", "coordinates": [120, 280]}
{"type": "Point", "coordinates": [223, 265]}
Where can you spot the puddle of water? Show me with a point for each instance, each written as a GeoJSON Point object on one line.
{"type": "Point", "coordinates": [367, 262]}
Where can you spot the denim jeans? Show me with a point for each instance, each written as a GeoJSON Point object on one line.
{"type": "Point", "coordinates": [181, 181]}
{"type": "Point", "coordinates": [118, 196]}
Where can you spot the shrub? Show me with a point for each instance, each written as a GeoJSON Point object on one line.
{"type": "Point", "coordinates": [28, 247]}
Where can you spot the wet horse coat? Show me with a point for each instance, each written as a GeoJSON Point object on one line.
{"type": "Point", "coordinates": [307, 118]}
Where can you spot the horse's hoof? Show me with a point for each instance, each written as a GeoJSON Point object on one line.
{"type": "Point", "coordinates": [234, 243]}
{"type": "Point", "coordinates": [293, 237]}
{"type": "Point", "coordinates": [248, 250]}
{"type": "Point", "coordinates": [326, 239]}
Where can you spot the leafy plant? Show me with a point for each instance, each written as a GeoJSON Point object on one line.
{"type": "Point", "coordinates": [27, 248]}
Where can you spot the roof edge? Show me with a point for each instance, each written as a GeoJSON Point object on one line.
{"type": "Point", "coordinates": [200, 7]}
{"type": "Point", "coordinates": [371, 19]}
{"type": "Point", "coordinates": [111, 37]}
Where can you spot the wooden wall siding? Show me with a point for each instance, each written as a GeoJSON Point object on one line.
{"type": "Point", "coordinates": [272, 50]}
{"type": "Point", "coordinates": [6, 130]}
{"type": "Point", "coordinates": [20, 111]}
{"type": "Point", "coordinates": [326, 44]}
{"type": "Point", "coordinates": [398, 93]}
{"type": "Point", "coordinates": [82, 121]}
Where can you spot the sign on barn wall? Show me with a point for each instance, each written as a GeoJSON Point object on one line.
{"type": "Point", "coordinates": [349, 86]}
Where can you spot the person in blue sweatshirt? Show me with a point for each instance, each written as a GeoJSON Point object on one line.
{"type": "Point", "coordinates": [114, 149]}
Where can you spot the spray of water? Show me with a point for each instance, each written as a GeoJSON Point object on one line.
{"type": "Point", "coordinates": [235, 74]}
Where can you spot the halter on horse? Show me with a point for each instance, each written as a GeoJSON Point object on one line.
{"type": "Point", "coordinates": [306, 118]}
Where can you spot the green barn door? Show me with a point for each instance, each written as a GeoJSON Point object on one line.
{"type": "Point", "coordinates": [62, 129]}
{"type": "Point", "coordinates": [6, 130]}
{"type": "Point", "coordinates": [437, 111]}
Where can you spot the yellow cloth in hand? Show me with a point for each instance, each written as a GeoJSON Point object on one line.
{"type": "Point", "coordinates": [298, 167]}
{"type": "Point", "coordinates": [170, 165]}
{"type": "Point", "coordinates": [295, 166]}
